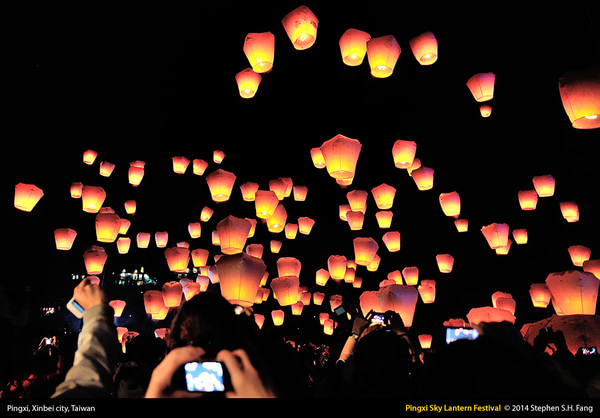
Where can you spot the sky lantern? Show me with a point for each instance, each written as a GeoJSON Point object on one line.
{"type": "Point", "coordinates": [118, 306]}
{"type": "Point", "coordinates": [247, 81]}
{"type": "Point", "coordinates": [278, 316]}
{"type": "Point", "coordinates": [404, 153]}
{"type": "Point", "coordinates": [528, 199]}
{"type": "Point", "coordinates": [396, 276]}
{"type": "Point", "coordinates": [255, 250]}
{"type": "Point", "coordinates": [365, 250]}
{"type": "Point", "coordinates": [220, 183]}
{"type": "Point", "coordinates": [240, 276]}
{"type": "Point", "coordinates": [425, 48]}
{"type": "Point", "coordinates": [411, 275]}
{"type": "Point", "coordinates": [384, 195]}
{"type": "Point", "coordinates": [172, 292]}
{"type": "Point", "coordinates": [382, 54]}
{"type": "Point", "coordinates": [374, 264]}
{"type": "Point", "coordinates": [249, 190]}
{"type": "Point", "coordinates": [423, 177]}
{"type": "Point", "coordinates": [76, 189]}
{"type": "Point", "coordinates": [579, 254]}
{"type": "Point", "coordinates": [125, 224]}
{"type": "Point", "coordinates": [123, 245]}
{"type": "Point", "coordinates": [107, 226]}
{"type": "Point", "coordinates": [401, 299]}
{"type": "Point", "coordinates": [520, 236]}
{"type": "Point", "coordinates": [544, 185]}
{"type": "Point", "coordinates": [161, 238]}
{"type": "Point", "coordinates": [265, 203]}
{"type": "Point", "coordinates": [297, 308]}
{"type": "Point", "coordinates": [489, 314]}
{"type": "Point", "coordinates": [218, 156]}
{"type": "Point", "coordinates": [153, 301]}
{"type": "Point", "coordinates": [355, 219]}
{"type": "Point", "coordinates": [317, 158]}
{"type": "Point", "coordinates": [592, 266]}
{"type": "Point", "coordinates": [336, 265]}
{"type": "Point", "coordinates": [445, 262]}
{"type": "Point", "coordinates": [92, 198]}
{"type": "Point", "coordinates": [580, 96]}
{"type": "Point", "coordinates": [573, 292]}
{"type": "Point", "coordinates": [540, 295]}
{"type": "Point", "coordinates": [275, 246]}
{"type": "Point", "coordinates": [427, 291]}
{"type": "Point", "coordinates": [305, 225]}
{"type": "Point", "coordinates": [199, 166]}
{"type": "Point", "coordinates": [191, 289]}
{"type": "Point", "coordinates": [391, 239]}
{"type": "Point", "coordinates": [206, 214]}
{"type": "Point", "coordinates": [481, 86]}
{"type": "Point", "coordinates": [106, 168]}
{"type": "Point", "coordinates": [288, 266]}
{"type": "Point", "coordinates": [300, 192]}
{"type": "Point", "coordinates": [136, 172]}
{"type": "Point", "coordinates": [425, 341]}
{"type": "Point", "coordinates": [328, 326]}
{"type": "Point", "coordinates": [64, 237]}
{"type": "Point", "coordinates": [285, 289]}
{"type": "Point", "coordinates": [318, 298]}
{"type": "Point", "coordinates": [353, 46]}
{"type": "Point", "coordinates": [384, 218]}
{"type": "Point", "coordinates": [357, 199]}
{"type": "Point", "coordinates": [496, 234]}
{"type": "Point", "coordinates": [462, 225]}
{"type": "Point", "coordinates": [450, 203]}
{"type": "Point", "coordinates": [143, 239]}
{"type": "Point", "coordinates": [343, 210]}
{"type": "Point", "coordinates": [89, 156]}
{"type": "Point", "coordinates": [485, 110]}
{"type": "Point", "coordinates": [301, 27]}
{"type": "Point", "coordinates": [194, 229]}
{"type": "Point", "coordinates": [259, 49]}
{"type": "Point", "coordinates": [570, 211]}
{"type": "Point", "coordinates": [180, 164]}
{"type": "Point", "coordinates": [203, 281]}
{"type": "Point", "coordinates": [341, 155]}
{"type": "Point", "coordinates": [322, 277]}
{"type": "Point", "coordinates": [199, 257]}
{"type": "Point", "coordinates": [277, 222]}
{"type": "Point", "coordinates": [130, 207]}
{"type": "Point", "coordinates": [291, 230]}
{"type": "Point", "coordinates": [177, 258]}
{"type": "Point", "coordinates": [503, 250]}
{"type": "Point", "coordinates": [369, 302]}
{"type": "Point", "coordinates": [233, 233]}
{"type": "Point", "coordinates": [94, 259]}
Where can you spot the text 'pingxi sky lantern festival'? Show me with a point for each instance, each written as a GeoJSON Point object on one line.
{"type": "Point", "coordinates": [375, 238]}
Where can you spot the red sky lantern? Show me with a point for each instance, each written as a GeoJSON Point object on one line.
{"type": "Point", "coordinates": [106, 168]}
{"type": "Point", "coordinates": [118, 306]}
{"type": "Point", "coordinates": [277, 221]}
{"type": "Point", "coordinates": [249, 190]}
{"type": "Point", "coordinates": [411, 275]}
{"type": "Point", "coordinates": [357, 199]}
{"type": "Point", "coordinates": [143, 239]}
{"type": "Point", "coordinates": [445, 262]}
{"type": "Point", "coordinates": [130, 207]}
{"type": "Point", "coordinates": [340, 154]}
{"type": "Point", "coordinates": [423, 177]}
{"type": "Point", "coordinates": [76, 189]}
{"type": "Point", "coordinates": [353, 46]}
{"type": "Point", "coordinates": [489, 314]}
{"type": "Point", "coordinates": [336, 265]}
{"type": "Point", "coordinates": [64, 237]}
{"type": "Point", "coordinates": [248, 81]}
{"type": "Point", "coordinates": [450, 203]}
{"type": "Point", "coordinates": [391, 240]}
{"type": "Point", "coordinates": [259, 49]}
{"type": "Point", "coordinates": [540, 295]}
{"type": "Point", "coordinates": [321, 277]}
{"type": "Point", "coordinates": [161, 238]}
{"type": "Point", "coordinates": [288, 266]}
{"type": "Point", "coordinates": [579, 254]}
{"type": "Point", "coordinates": [570, 211]}
{"type": "Point", "coordinates": [123, 245]}
{"type": "Point", "coordinates": [384, 218]}
{"type": "Point", "coordinates": [462, 225]}
{"type": "Point", "coordinates": [520, 235]}
{"type": "Point", "coordinates": [382, 54]}
{"type": "Point", "coordinates": [301, 27]}
{"type": "Point", "coordinates": [305, 225]}
{"type": "Point", "coordinates": [425, 48]}
{"type": "Point", "coordinates": [153, 301]}
{"type": "Point", "coordinates": [265, 202]}
{"type": "Point", "coordinates": [365, 250]}
{"type": "Point", "coordinates": [199, 166]}
{"type": "Point", "coordinates": [482, 86]}
{"type": "Point", "coordinates": [401, 299]}
{"type": "Point", "coordinates": [194, 229]}
{"type": "Point", "coordinates": [580, 96]}
{"type": "Point", "coordinates": [427, 291]}
{"type": "Point", "coordinates": [278, 317]}
{"type": "Point", "coordinates": [355, 219]}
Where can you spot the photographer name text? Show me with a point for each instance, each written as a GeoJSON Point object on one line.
{"type": "Point", "coordinates": [519, 408]}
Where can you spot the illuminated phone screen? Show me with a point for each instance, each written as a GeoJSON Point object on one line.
{"type": "Point", "coordinates": [204, 376]}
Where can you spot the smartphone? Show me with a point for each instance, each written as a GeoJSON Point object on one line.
{"type": "Point", "coordinates": [378, 318]}
{"type": "Point", "coordinates": [453, 334]}
{"type": "Point", "coordinates": [206, 376]}
{"type": "Point", "coordinates": [75, 308]}
{"type": "Point", "coordinates": [587, 351]}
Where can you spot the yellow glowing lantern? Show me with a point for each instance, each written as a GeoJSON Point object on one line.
{"type": "Point", "coordinates": [423, 177]}
{"type": "Point", "coordinates": [503, 250]}
{"type": "Point", "coordinates": [317, 158]}
{"type": "Point", "coordinates": [89, 156]}
{"type": "Point", "coordinates": [143, 239]}
{"type": "Point", "coordinates": [123, 245]}
{"type": "Point", "coordinates": [277, 222]}
{"type": "Point", "coordinates": [288, 266]}
{"type": "Point", "coordinates": [92, 198]}
{"type": "Point", "coordinates": [528, 199]}
{"type": "Point", "coordinates": [318, 298]}
{"type": "Point", "coordinates": [301, 27]}
{"type": "Point", "coordinates": [218, 156]}
{"type": "Point", "coordinates": [136, 172]}
{"type": "Point", "coordinates": [341, 155]}
{"type": "Point", "coordinates": [384, 196]}
{"type": "Point", "coordinates": [76, 189]}
{"type": "Point", "coordinates": [278, 317]}
{"type": "Point", "coordinates": [544, 185]}
{"type": "Point", "coordinates": [401, 299]}
{"type": "Point", "coordinates": [322, 276]}
{"type": "Point", "coordinates": [580, 96]}
{"type": "Point", "coordinates": [365, 250]}
{"type": "Point", "coordinates": [355, 219]}
{"type": "Point", "coordinates": [161, 238]}
{"type": "Point", "coordinates": [427, 291]}
{"type": "Point", "coordinates": [199, 166]}
{"type": "Point", "coordinates": [177, 258]}
{"type": "Point", "coordinates": [579, 254]}
{"type": "Point", "coordinates": [285, 289]}
{"type": "Point", "coordinates": [94, 259]}
{"type": "Point", "coordinates": [521, 236]}
{"type": "Point", "coordinates": [485, 110]}
{"type": "Point", "coordinates": [206, 214]}
{"type": "Point", "coordinates": [404, 153]}
{"type": "Point", "coordinates": [357, 199]}
{"type": "Point", "coordinates": [275, 246]}
{"type": "Point", "coordinates": [180, 164]}
{"type": "Point", "coordinates": [305, 225]}
{"type": "Point", "coordinates": [382, 54]}
{"type": "Point", "coordinates": [328, 326]}
{"type": "Point", "coordinates": [425, 341]}
{"type": "Point", "coordinates": [391, 240]}
{"type": "Point", "coordinates": [297, 308]}
{"type": "Point", "coordinates": [353, 46]}
{"type": "Point", "coordinates": [445, 262]}
{"type": "Point", "coordinates": [343, 210]}
{"type": "Point", "coordinates": [125, 224]}
{"type": "Point", "coordinates": [172, 292]}
{"type": "Point", "coordinates": [63, 238]}
{"type": "Point", "coordinates": [249, 190]}
{"type": "Point", "coordinates": [259, 49]}
{"type": "Point", "coordinates": [153, 301]}
{"type": "Point", "coordinates": [496, 235]}
{"type": "Point", "coordinates": [118, 306]}
{"type": "Point", "coordinates": [425, 48]}
{"type": "Point", "coordinates": [384, 218]}
{"type": "Point", "coordinates": [194, 229]}
{"type": "Point", "coordinates": [265, 202]}
{"type": "Point", "coordinates": [411, 275]}
{"type": "Point", "coordinates": [374, 264]}
{"type": "Point", "coordinates": [130, 207]}
{"type": "Point", "coordinates": [487, 314]}
{"type": "Point", "coordinates": [300, 193]}
{"type": "Point", "coordinates": [462, 225]}
{"type": "Point", "coordinates": [248, 81]}
{"type": "Point", "coordinates": [240, 276]}
{"type": "Point", "coordinates": [450, 203]}
{"type": "Point", "coordinates": [570, 211]}
{"type": "Point", "coordinates": [573, 292]}
{"type": "Point", "coordinates": [255, 250]}
{"type": "Point", "coordinates": [259, 320]}
{"type": "Point", "coordinates": [336, 265]}
{"type": "Point", "coordinates": [107, 227]}
{"type": "Point", "coordinates": [481, 86]}
{"type": "Point", "coordinates": [203, 281]}
{"type": "Point", "coordinates": [106, 168]}
{"type": "Point", "coordinates": [291, 230]}
{"type": "Point", "coordinates": [233, 233]}
{"type": "Point", "coordinates": [191, 289]}
{"type": "Point", "coordinates": [369, 301]}
{"type": "Point", "coordinates": [220, 183]}
{"type": "Point", "coordinates": [199, 257]}
{"type": "Point", "coordinates": [540, 295]}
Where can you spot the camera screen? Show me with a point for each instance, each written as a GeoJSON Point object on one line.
{"type": "Point", "coordinates": [204, 376]}
{"type": "Point", "coordinates": [378, 319]}
{"type": "Point", "coordinates": [453, 334]}
{"type": "Point", "coordinates": [588, 350]}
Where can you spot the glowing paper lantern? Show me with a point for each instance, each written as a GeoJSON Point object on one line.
{"type": "Point", "coordinates": [355, 219]}
{"type": "Point", "coordinates": [265, 203]}
{"type": "Point", "coordinates": [482, 86]}
{"type": "Point", "coordinates": [382, 54]}
{"type": "Point", "coordinates": [76, 189]}
{"type": "Point", "coordinates": [384, 196]}
{"type": "Point", "coordinates": [503, 250]}
{"type": "Point", "coordinates": [485, 110]}
{"type": "Point", "coordinates": [365, 250]}
{"type": "Point", "coordinates": [401, 299]}
{"type": "Point", "coordinates": [285, 289]}
{"type": "Point", "coordinates": [92, 198]}
{"type": "Point", "coordinates": [136, 172]}
{"type": "Point", "coordinates": [94, 259]}
{"type": "Point", "coordinates": [172, 292]}
{"type": "Point", "coordinates": [384, 218]}
{"type": "Point", "coordinates": [425, 48]}
{"type": "Point", "coordinates": [249, 190]}
{"type": "Point", "coordinates": [462, 225]}
{"type": "Point", "coordinates": [89, 156]}
{"type": "Point", "coordinates": [123, 245]}
{"type": "Point", "coordinates": [540, 295]}
{"type": "Point", "coordinates": [404, 153]}
{"type": "Point", "coordinates": [450, 203]}
{"type": "Point", "coordinates": [106, 168]}
{"type": "Point", "coordinates": [391, 240]}
{"type": "Point", "coordinates": [107, 227]}
{"type": "Point", "coordinates": [278, 317]}
{"type": "Point", "coordinates": [573, 292]}
{"type": "Point", "coordinates": [240, 276]}
{"type": "Point", "coordinates": [357, 199]}
{"type": "Point", "coordinates": [336, 265]}
{"type": "Point", "coordinates": [411, 275]}
{"type": "Point", "coordinates": [143, 239]}
{"type": "Point", "coordinates": [369, 302]}
{"type": "Point", "coordinates": [496, 235]}
{"type": "Point", "coordinates": [199, 257]}
{"type": "Point", "coordinates": [277, 222]}
{"type": "Point", "coordinates": [153, 301]}
{"type": "Point", "coordinates": [206, 214]}
{"type": "Point", "coordinates": [592, 266]}
{"type": "Point", "coordinates": [300, 193]}
{"type": "Point", "coordinates": [305, 225]}
{"type": "Point", "coordinates": [520, 236]}
{"type": "Point", "coordinates": [233, 233]}
{"type": "Point", "coordinates": [544, 185]}
{"type": "Point", "coordinates": [341, 155]}
{"type": "Point", "coordinates": [353, 46]}
{"type": "Point", "coordinates": [445, 262]}
{"type": "Point", "coordinates": [180, 164]}
{"type": "Point", "coordinates": [194, 229]}
{"type": "Point", "coordinates": [218, 156]}
{"type": "Point", "coordinates": [259, 49]}
{"type": "Point", "coordinates": [199, 166]}
{"type": "Point", "coordinates": [291, 230]}
{"type": "Point", "coordinates": [275, 246]}
{"type": "Point", "coordinates": [423, 177]}
{"type": "Point", "coordinates": [288, 266]}
{"type": "Point", "coordinates": [579, 254]}
{"type": "Point", "coordinates": [248, 81]}
{"type": "Point", "coordinates": [425, 341]}
{"type": "Point", "coordinates": [301, 27]}
{"type": "Point", "coordinates": [528, 199]}
{"type": "Point", "coordinates": [580, 96]}
{"type": "Point", "coordinates": [489, 314]}
{"type": "Point", "coordinates": [570, 211]}
{"type": "Point", "coordinates": [427, 291]}
{"type": "Point", "coordinates": [321, 278]}
{"type": "Point", "coordinates": [317, 158]}
{"type": "Point", "coordinates": [177, 258]}
{"type": "Point", "coordinates": [130, 207]}
{"type": "Point", "coordinates": [161, 238]}
{"type": "Point", "coordinates": [220, 183]}
{"type": "Point", "coordinates": [64, 237]}
{"type": "Point", "coordinates": [118, 306]}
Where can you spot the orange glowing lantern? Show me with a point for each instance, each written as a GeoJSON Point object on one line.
{"type": "Point", "coordinates": [255, 250]}
{"type": "Point", "coordinates": [130, 207]}
{"type": "Point", "coordinates": [291, 230]}
{"type": "Point", "coordinates": [107, 227]}
{"type": "Point", "coordinates": [318, 298]}
{"type": "Point", "coordinates": [76, 189]}
{"type": "Point", "coordinates": [275, 246]}
{"type": "Point", "coordinates": [384, 218]}
{"type": "Point", "coordinates": [384, 196]}
{"type": "Point", "coordinates": [423, 177]}
{"type": "Point", "coordinates": [592, 266]}
{"type": "Point", "coordinates": [445, 262]}
{"type": "Point", "coordinates": [353, 46]}
{"type": "Point", "coordinates": [425, 341]}
{"type": "Point", "coordinates": [489, 314]}
{"type": "Point", "coordinates": [496, 235]}
{"type": "Point", "coordinates": [218, 156]}
{"type": "Point", "coordinates": [450, 203]}
{"type": "Point", "coordinates": [278, 317]}
{"type": "Point", "coordinates": [106, 168]}
{"type": "Point", "coordinates": [411, 275]}
{"type": "Point", "coordinates": [540, 295]}
{"type": "Point", "coordinates": [249, 190]}
{"type": "Point", "coordinates": [143, 239]}
{"type": "Point", "coordinates": [305, 225]}
{"type": "Point", "coordinates": [336, 265]}
{"type": "Point", "coordinates": [528, 199]}
{"type": "Point", "coordinates": [365, 250]}
{"type": "Point", "coordinates": [544, 185]}
{"type": "Point", "coordinates": [118, 306]}
{"type": "Point", "coordinates": [401, 299]}
{"type": "Point", "coordinates": [161, 238]}
{"type": "Point", "coordinates": [265, 203]}
{"type": "Point", "coordinates": [285, 289]}
{"type": "Point", "coordinates": [177, 258]}
{"type": "Point", "coordinates": [203, 281]}
{"type": "Point", "coordinates": [199, 257]}
{"type": "Point", "coordinates": [206, 214]}
{"type": "Point", "coordinates": [277, 222]}
{"type": "Point", "coordinates": [125, 224]}
{"type": "Point", "coordinates": [301, 27]}
{"type": "Point", "coordinates": [427, 291]}
{"type": "Point", "coordinates": [194, 229]}
{"type": "Point", "coordinates": [288, 266]}
{"type": "Point", "coordinates": [570, 211]}
{"type": "Point", "coordinates": [321, 277]}
{"type": "Point", "coordinates": [425, 48]}
{"type": "Point", "coordinates": [180, 164]}
{"type": "Point", "coordinates": [355, 219]}
{"type": "Point", "coordinates": [580, 95]}
{"type": "Point", "coordinates": [300, 193]}
{"type": "Point", "coordinates": [136, 172]}
{"type": "Point", "coordinates": [233, 233]}
{"type": "Point", "coordinates": [123, 245]}
{"type": "Point", "coordinates": [579, 254]}
{"type": "Point", "coordinates": [343, 210]}
{"type": "Point", "coordinates": [172, 292]}
{"type": "Point", "coordinates": [248, 81]}
{"type": "Point", "coordinates": [341, 155]}
{"type": "Point", "coordinates": [521, 236]}
{"type": "Point", "coordinates": [462, 225]}
{"type": "Point", "coordinates": [259, 49]}
{"type": "Point", "coordinates": [404, 153]}
{"type": "Point", "coordinates": [297, 308]}
{"type": "Point", "coordinates": [328, 326]}
{"type": "Point", "coordinates": [573, 292]}
{"type": "Point", "coordinates": [92, 198]}
{"type": "Point", "coordinates": [220, 183]}
{"type": "Point", "coordinates": [199, 166]}
{"type": "Point", "coordinates": [369, 302]}
{"type": "Point", "coordinates": [317, 158]}
{"type": "Point", "coordinates": [396, 276]}
{"type": "Point", "coordinates": [64, 237]}
{"type": "Point", "coordinates": [482, 86]}
{"type": "Point", "coordinates": [382, 54]}
{"type": "Point", "coordinates": [153, 301]}
{"type": "Point", "coordinates": [94, 259]}
{"type": "Point", "coordinates": [240, 276]}
{"type": "Point", "coordinates": [485, 110]}
{"type": "Point", "coordinates": [89, 156]}
{"type": "Point", "coordinates": [357, 199]}
{"type": "Point", "coordinates": [503, 250]}
{"type": "Point", "coordinates": [391, 240]}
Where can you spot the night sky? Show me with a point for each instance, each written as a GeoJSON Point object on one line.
{"type": "Point", "coordinates": [151, 83]}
